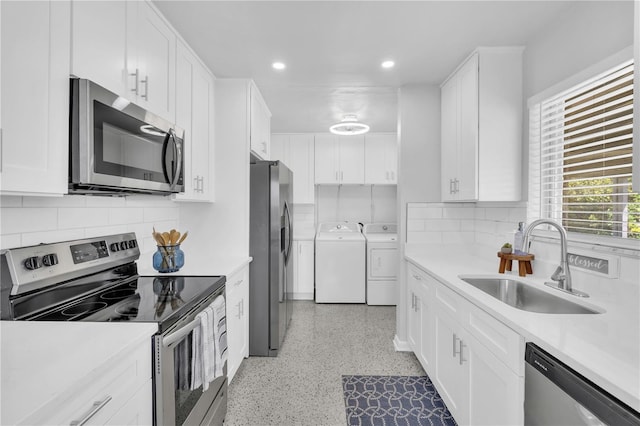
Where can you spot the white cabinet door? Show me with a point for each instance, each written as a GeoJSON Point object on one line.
{"type": "Point", "coordinates": [194, 114]}
{"type": "Point", "coordinates": [151, 50]}
{"type": "Point", "coordinates": [280, 149]}
{"type": "Point", "coordinates": [381, 159]}
{"type": "Point", "coordinates": [467, 155]}
{"type": "Point", "coordinates": [326, 160]}
{"type": "Point", "coordinates": [303, 270]}
{"type": "Point", "coordinates": [260, 125]}
{"type": "Point", "coordinates": [450, 378]}
{"type": "Point", "coordinates": [302, 163]}
{"type": "Point", "coordinates": [237, 320]}
{"type": "Point", "coordinates": [100, 43]}
{"type": "Point", "coordinates": [35, 97]}
{"type": "Point", "coordinates": [339, 159]}
{"type": "Point", "coordinates": [351, 159]}
{"type": "Point", "coordinates": [502, 405]}
{"type": "Point", "coordinates": [449, 139]}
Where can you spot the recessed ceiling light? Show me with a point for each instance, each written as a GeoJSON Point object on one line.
{"type": "Point", "coordinates": [388, 64]}
{"type": "Point", "coordinates": [278, 65]}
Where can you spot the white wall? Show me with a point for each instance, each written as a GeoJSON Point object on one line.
{"type": "Point", "coordinates": [34, 220]}
{"type": "Point", "coordinates": [356, 203]}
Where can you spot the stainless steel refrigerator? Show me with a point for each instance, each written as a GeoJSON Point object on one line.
{"type": "Point", "coordinates": [271, 271]}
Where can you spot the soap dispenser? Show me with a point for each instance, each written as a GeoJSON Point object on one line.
{"type": "Point", "coordinates": [518, 239]}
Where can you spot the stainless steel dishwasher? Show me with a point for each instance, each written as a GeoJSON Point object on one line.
{"type": "Point", "coordinates": [557, 395]}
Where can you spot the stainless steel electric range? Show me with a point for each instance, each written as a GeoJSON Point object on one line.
{"type": "Point", "coordinates": [96, 280]}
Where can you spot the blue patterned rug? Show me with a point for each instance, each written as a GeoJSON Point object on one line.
{"type": "Point", "coordinates": [393, 400]}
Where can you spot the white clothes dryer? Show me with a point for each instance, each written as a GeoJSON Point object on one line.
{"type": "Point", "coordinates": [382, 263]}
{"type": "Point", "coordinates": [340, 263]}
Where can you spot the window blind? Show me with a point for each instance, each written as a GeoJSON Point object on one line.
{"type": "Point", "coordinates": [586, 140]}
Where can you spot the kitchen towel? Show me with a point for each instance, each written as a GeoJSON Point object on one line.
{"type": "Point", "coordinates": [209, 344]}
{"type": "Point", "coordinates": [220, 333]}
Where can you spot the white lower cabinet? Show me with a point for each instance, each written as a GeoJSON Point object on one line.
{"type": "Point", "coordinates": [420, 316]}
{"type": "Point", "coordinates": [118, 393]}
{"type": "Point", "coordinates": [475, 362]}
{"type": "Point", "coordinates": [237, 320]}
{"type": "Point", "coordinates": [303, 270]}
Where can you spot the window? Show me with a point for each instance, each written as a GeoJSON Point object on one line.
{"type": "Point", "coordinates": [584, 154]}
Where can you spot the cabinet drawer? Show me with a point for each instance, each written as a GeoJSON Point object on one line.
{"type": "Point", "coordinates": [110, 387]}
{"type": "Point", "coordinates": [503, 342]}
{"type": "Point", "coordinates": [450, 301]}
{"type": "Point", "coordinates": [236, 280]}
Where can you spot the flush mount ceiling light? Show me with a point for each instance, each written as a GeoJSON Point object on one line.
{"type": "Point", "coordinates": [388, 64]}
{"type": "Point", "coordinates": [349, 126]}
{"type": "Point", "coordinates": [278, 65]}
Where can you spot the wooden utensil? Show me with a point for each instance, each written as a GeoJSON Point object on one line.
{"type": "Point", "coordinates": [183, 237]}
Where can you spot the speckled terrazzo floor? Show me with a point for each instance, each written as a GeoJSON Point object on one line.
{"type": "Point", "coordinates": [303, 385]}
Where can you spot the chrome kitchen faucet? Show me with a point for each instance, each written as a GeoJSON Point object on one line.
{"type": "Point", "coordinates": [562, 275]}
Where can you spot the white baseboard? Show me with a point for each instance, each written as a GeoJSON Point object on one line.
{"type": "Point", "coordinates": [401, 345]}
{"type": "Point", "coordinates": [302, 296]}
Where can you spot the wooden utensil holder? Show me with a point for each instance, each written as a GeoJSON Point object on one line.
{"type": "Point", "coordinates": [524, 263]}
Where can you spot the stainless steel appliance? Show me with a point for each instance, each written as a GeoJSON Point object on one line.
{"type": "Point", "coordinates": [557, 395]}
{"type": "Point", "coordinates": [116, 147]}
{"type": "Point", "coordinates": [96, 280]}
{"type": "Point", "coordinates": [271, 271]}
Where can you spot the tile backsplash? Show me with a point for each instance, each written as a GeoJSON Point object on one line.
{"type": "Point", "coordinates": [494, 224]}
{"type": "Point", "coordinates": [440, 223]}
{"type": "Point", "coordinates": [33, 220]}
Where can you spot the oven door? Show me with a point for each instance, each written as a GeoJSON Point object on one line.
{"type": "Point", "coordinates": [116, 144]}
{"type": "Point", "coordinates": [175, 403]}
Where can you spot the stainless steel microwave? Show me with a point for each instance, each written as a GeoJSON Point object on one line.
{"type": "Point", "coordinates": [117, 148]}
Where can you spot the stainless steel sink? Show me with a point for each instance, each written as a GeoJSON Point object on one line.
{"type": "Point", "coordinates": [525, 297]}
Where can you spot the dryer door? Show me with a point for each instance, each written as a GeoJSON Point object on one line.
{"type": "Point", "coordinates": [383, 263]}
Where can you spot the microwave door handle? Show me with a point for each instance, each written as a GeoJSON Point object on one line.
{"type": "Point", "coordinates": [178, 335]}
{"type": "Point", "coordinates": [177, 151]}
{"type": "Point", "coordinates": [165, 145]}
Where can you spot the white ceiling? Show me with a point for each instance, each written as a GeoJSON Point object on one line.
{"type": "Point", "coordinates": [333, 49]}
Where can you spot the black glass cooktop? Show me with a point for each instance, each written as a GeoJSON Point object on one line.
{"type": "Point", "coordinates": [119, 295]}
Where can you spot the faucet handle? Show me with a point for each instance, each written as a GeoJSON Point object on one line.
{"type": "Point", "coordinates": [559, 274]}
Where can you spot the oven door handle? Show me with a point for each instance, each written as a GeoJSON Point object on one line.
{"type": "Point", "coordinates": [178, 335]}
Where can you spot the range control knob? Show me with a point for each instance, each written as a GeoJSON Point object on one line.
{"type": "Point", "coordinates": [132, 244]}
{"type": "Point", "coordinates": [50, 259]}
{"type": "Point", "coordinates": [32, 263]}
{"type": "Point", "coordinates": [114, 247]}
{"type": "Point", "coordinates": [123, 245]}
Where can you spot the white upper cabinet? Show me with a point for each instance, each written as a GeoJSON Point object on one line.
{"type": "Point", "coordinates": [381, 159]}
{"type": "Point", "coordinates": [296, 152]}
{"type": "Point", "coordinates": [194, 114]}
{"type": "Point", "coordinates": [260, 125]}
{"type": "Point", "coordinates": [339, 159]}
{"type": "Point", "coordinates": [481, 125]}
{"type": "Point", "coordinates": [151, 59]}
{"type": "Point", "coordinates": [99, 31]}
{"type": "Point", "coordinates": [128, 48]}
{"type": "Point", "coordinates": [35, 97]}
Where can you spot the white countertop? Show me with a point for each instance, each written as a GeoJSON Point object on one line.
{"type": "Point", "coordinates": [605, 347]}
{"type": "Point", "coordinates": [42, 359]}
{"type": "Point", "coordinates": [197, 265]}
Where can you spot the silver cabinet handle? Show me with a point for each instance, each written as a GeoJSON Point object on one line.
{"type": "Point", "coordinates": [135, 75]}
{"type": "Point", "coordinates": [462, 345]}
{"type": "Point", "coordinates": [97, 406]}
{"type": "Point", "coordinates": [239, 309]}
{"type": "Point", "coordinates": [456, 185]}
{"type": "Point", "coordinates": [417, 304]}
{"type": "Point", "coordinates": [341, 176]}
{"type": "Point", "coordinates": [455, 340]}
{"type": "Point", "coordinates": [413, 301]}
{"type": "Point", "coordinates": [450, 186]}
{"type": "Point", "coordinates": [146, 88]}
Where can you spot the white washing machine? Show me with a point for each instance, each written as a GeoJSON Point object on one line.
{"type": "Point", "coordinates": [382, 263]}
{"type": "Point", "coordinates": [340, 263]}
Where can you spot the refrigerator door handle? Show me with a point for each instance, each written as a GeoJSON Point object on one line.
{"type": "Point", "coordinates": [290, 237]}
